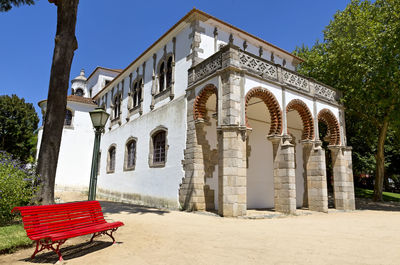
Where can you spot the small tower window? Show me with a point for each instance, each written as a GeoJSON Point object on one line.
{"type": "Point", "coordinates": [79, 92]}
{"type": "Point", "coordinates": [68, 118]}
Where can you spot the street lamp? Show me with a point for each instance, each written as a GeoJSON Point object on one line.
{"type": "Point", "coordinates": [99, 118]}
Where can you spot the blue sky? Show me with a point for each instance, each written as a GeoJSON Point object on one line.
{"type": "Point", "coordinates": [113, 33]}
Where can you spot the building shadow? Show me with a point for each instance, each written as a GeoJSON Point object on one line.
{"type": "Point", "coordinates": [118, 207]}
{"type": "Point", "coordinates": [368, 204]}
{"type": "Point", "coordinates": [70, 252]}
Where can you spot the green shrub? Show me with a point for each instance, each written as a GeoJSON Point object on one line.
{"type": "Point", "coordinates": [16, 186]}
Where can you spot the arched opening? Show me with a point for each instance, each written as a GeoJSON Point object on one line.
{"type": "Point", "coordinates": [205, 115]}
{"type": "Point", "coordinates": [79, 92]}
{"type": "Point", "coordinates": [300, 126]}
{"type": "Point", "coordinates": [329, 134]}
{"type": "Point", "coordinates": [264, 117]}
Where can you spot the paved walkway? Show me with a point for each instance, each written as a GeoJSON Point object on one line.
{"type": "Point", "coordinates": [153, 236]}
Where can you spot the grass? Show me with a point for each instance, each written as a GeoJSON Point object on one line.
{"type": "Point", "coordinates": [13, 237]}
{"type": "Point", "coordinates": [387, 196]}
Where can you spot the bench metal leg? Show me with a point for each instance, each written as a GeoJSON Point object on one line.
{"type": "Point", "coordinates": [48, 244]}
{"type": "Point", "coordinates": [107, 232]}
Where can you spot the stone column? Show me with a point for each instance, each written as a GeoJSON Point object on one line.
{"type": "Point", "coordinates": [232, 172]}
{"type": "Point", "coordinates": [343, 185]}
{"type": "Point", "coordinates": [284, 174]}
{"type": "Point", "coordinates": [191, 191]}
{"type": "Point", "coordinates": [231, 138]}
{"type": "Point", "coordinates": [316, 179]}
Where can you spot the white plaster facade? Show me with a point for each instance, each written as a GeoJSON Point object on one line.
{"type": "Point", "coordinates": [222, 80]}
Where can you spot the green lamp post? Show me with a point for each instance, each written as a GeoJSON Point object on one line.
{"type": "Point", "coordinates": [99, 118]}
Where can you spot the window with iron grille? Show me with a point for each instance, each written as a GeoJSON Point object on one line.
{"type": "Point", "coordinates": [159, 147]}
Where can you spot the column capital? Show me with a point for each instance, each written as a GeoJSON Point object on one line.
{"type": "Point", "coordinates": [274, 138]}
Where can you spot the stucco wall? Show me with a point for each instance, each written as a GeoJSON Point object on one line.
{"type": "Point", "coordinates": [158, 182]}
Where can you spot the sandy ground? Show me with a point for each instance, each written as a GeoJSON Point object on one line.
{"type": "Point", "coordinates": [153, 236]}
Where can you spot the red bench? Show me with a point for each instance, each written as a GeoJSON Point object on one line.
{"type": "Point", "coordinates": [50, 225]}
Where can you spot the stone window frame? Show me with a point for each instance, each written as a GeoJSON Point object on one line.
{"type": "Point", "coordinates": [116, 119]}
{"type": "Point", "coordinates": [70, 126]}
{"type": "Point", "coordinates": [164, 93]}
{"type": "Point", "coordinates": [109, 170]}
{"type": "Point", "coordinates": [136, 92]}
{"type": "Point", "coordinates": [130, 140]}
{"type": "Point", "coordinates": [153, 133]}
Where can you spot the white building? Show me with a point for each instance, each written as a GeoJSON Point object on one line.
{"type": "Point", "coordinates": [209, 117]}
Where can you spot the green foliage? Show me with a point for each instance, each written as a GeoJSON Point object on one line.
{"type": "Point", "coordinates": [18, 122]}
{"type": "Point", "coordinates": [13, 237]}
{"type": "Point", "coordinates": [387, 196]}
{"type": "Point", "coordinates": [360, 55]}
{"type": "Point", "coordinates": [6, 5]}
{"type": "Point", "coordinates": [16, 186]}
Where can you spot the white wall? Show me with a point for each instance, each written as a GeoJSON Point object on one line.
{"type": "Point", "coordinates": [158, 182]}
{"type": "Point", "coordinates": [260, 174]}
{"type": "Point", "coordinates": [76, 149]}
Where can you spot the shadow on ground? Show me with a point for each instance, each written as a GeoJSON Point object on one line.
{"type": "Point", "coordinates": [118, 207]}
{"type": "Point", "coordinates": [70, 252]}
{"type": "Point", "coordinates": [368, 204]}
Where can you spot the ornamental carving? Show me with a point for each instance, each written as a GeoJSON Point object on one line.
{"type": "Point", "coordinates": [295, 80]}
{"type": "Point", "coordinates": [205, 68]}
{"type": "Point", "coordinates": [325, 92]}
{"type": "Point", "coordinates": [258, 66]}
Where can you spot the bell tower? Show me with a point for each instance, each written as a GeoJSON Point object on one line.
{"type": "Point", "coordinates": [78, 85]}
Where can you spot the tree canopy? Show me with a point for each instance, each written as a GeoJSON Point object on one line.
{"type": "Point", "coordinates": [6, 5]}
{"type": "Point", "coordinates": [18, 122]}
{"type": "Point", "coordinates": [360, 55]}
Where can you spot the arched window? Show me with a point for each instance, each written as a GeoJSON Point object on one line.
{"type": "Point", "coordinates": [139, 92]}
{"type": "Point", "coordinates": [169, 71]}
{"type": "Point", "coordinates": [117, 106]}
{"type": "Point", "coordinates": [111, 159]}
{"type": "Point", "coordinates": [79, 92]}
{"type": "Point", "coordinates": [159, 147]}
{"type": "Point", "coordinates": [161, 76]}
{"type": "Point", "coordinates": [68, 118]}
{"type": "Point", "coordinates": [130, 154]}
{"type": "Point", "coordinates": [135, 101]}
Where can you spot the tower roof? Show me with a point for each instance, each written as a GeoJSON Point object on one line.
{"type": "Point", "coordinates": [80, 77]}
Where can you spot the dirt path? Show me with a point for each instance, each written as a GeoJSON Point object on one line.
{"type": "Point", "coordinates": [152, 236]}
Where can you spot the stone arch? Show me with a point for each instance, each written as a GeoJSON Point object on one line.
{"type": "Point", "coordinates": [199, 106]}
{"type": "Point", "coordinates": [305, 115]}
{"type": "Point", "coordinates": [326, 116]}
{"type": "Point", "coordinates": [273, 107]}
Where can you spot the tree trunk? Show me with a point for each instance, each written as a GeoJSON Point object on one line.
{"type": "Point", "coordinates": [65, 45]}
{"type": "Point", "coordinates": [380, 161]}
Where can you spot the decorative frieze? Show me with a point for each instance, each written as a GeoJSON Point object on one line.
{"type": "Point", "coordinates": [324, 92]}
{"type": "Point", "coordinates": [267, 70]}
{"type": "Point", "coordinates": [295, 80]}
{"type": "Point", "coordinates": [258, 66]}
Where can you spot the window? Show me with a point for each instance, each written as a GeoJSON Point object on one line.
{"type": "Point", "coordinates": [139, 92]}
{"type": "Point", "coordinates": [111, 159]}
{"type": "Point", "coordinates": [90, 92]}
{"type": "Point", "coordinates": [161, 77]}
{"type": "Point", "coordinates": [130, 154]}
{"type": "Point", "coordinates": [135, 102]}
{"type": "Point", "coordinates": [79, 92]}
{"type": "Point", "coordinates": [68, 118]}
{"type": "Point", "coordinates": [117, 106]}
{"type": "Point", "coordinates": [158, 147]}
{"type": "Point", "coordinates": [169, 71]}
{"type": "Point", "coordinates": [107, 82]}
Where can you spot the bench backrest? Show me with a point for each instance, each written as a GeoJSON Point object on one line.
{"type": "Point", "coordinates": [44, 219]}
